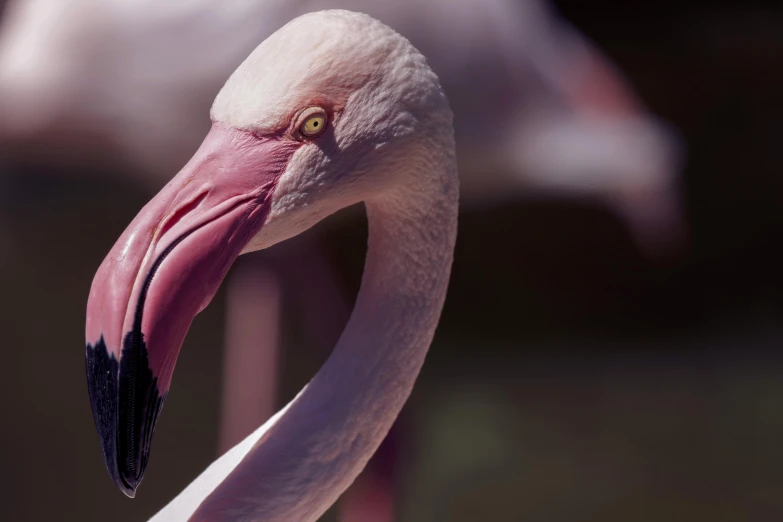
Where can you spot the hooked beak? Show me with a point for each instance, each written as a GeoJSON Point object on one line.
{"type": "Point", "coordinates": [163, 270]}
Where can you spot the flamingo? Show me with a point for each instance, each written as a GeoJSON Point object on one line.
{"type": "Point", "coordinates": [333, 109]}
{"type": "Point", "coordinates": [556, 118]}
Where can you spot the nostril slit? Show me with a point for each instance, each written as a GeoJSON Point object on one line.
{"type": "Point", "coordinates": [180, 213]}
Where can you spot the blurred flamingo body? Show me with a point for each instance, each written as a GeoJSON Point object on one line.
{"type": "Point", "coordinates": [540, 111]}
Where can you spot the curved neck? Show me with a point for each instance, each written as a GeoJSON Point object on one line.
{"type": "Point", "coordinates": [296, 465]}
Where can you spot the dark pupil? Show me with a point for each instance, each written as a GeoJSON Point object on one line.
{"type": "Point", "coordinates": [315, 124]}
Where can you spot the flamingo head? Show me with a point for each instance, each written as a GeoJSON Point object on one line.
{"type": "Point", "coordinates": [319, 116]}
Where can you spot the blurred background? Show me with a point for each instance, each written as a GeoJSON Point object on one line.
{"type": "Point", "coordinates": [610, 349]}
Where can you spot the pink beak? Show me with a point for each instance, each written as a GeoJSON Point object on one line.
{"type": "Point", "coordinates": [163, 270]}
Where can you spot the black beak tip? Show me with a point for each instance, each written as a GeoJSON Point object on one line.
{"type": "Point", "coordinates": [128, 489]}
{"type": "Point", "coordinates": [126, 485]}
{"type": "Point", "coordinates": [125, 403]}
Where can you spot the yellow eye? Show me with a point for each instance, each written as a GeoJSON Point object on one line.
{"type": "Point", "coordinates": [313, 124]}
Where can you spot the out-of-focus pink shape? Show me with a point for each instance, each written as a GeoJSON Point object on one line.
{"type": "Point", "coordinates": [300, 270]}
{"type": "Point", "coordinates": [371, 499]}
{"type": "Point", "coordinates": [253, 302]}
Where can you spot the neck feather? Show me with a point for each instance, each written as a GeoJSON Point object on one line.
{"type": "Point", "coordinates": [296, 465]}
